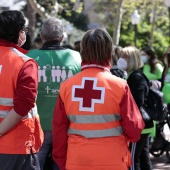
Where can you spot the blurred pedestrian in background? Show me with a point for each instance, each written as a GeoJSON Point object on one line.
{"type": "Point", "coordinates": [139, 88]}
{"type": "Point", "coordinates": [119, 72]}
{"type": "Point", "coordinates": [153, 70]}
{"type": "Point", "coordinates": [166, 78]}
{"type": "Point", "coordinates": [152, 66]}
{"type": "Point", "coordinates": [77, 46]}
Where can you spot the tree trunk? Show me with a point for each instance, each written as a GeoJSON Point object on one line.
{"type": "Point", "coordinates": [117, 23]}
{"type": "Point", "coordinates": [38, 9]}
{"type": "Point", "coordinates": [153, 23]}
{"type": "Point", "coordinates": [31, 17]}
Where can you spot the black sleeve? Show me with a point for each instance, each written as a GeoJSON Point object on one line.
{"type": "Point", "coordinates": [138, 87]}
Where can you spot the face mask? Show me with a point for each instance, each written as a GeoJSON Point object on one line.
{"type": "Point", "coordinates": [122, 63]}
{"type": "Point", "coordinates": [144, 58]}
{"type": "Point", "coordinates": [20, 41]}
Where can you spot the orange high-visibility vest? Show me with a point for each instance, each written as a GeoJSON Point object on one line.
{"type": "Point", "coordinates": [96, 140]}
{"type": "Point", "coordinates": [28, 133]}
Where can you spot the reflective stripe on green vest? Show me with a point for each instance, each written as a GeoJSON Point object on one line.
{"type": "Point", "coordinates": [54, 66]}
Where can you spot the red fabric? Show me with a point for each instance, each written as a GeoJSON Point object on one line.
{"type": "Point", "coordinates": [26, 91]}
{"type": "Point", "coordinates": [59, 133]}
{"type": "Point", "coordinates": [11, 44]}
{"type": "Point", "coordinates": [27, 83]}
{"type": "Point", "coordinates": [127, 109]}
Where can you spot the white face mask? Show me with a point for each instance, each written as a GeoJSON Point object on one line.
{"type": "Point", "coordinates": [122, 63]}
{"type": "Point", "coordinates": [144, 58]}
{"type": "Point", "coordinates": [22, 41]}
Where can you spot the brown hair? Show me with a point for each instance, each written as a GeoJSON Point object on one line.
{"type": "Point", "coordinates": [96, 47]}
{"type": "Point", "coordinates": [116, 54]}
{"type": "Point", "coordinates": [152, 61]}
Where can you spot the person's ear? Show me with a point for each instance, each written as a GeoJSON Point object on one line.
{"type": "Point", "coordinates": [41, 36]}
{"type": "Point", "coordinates": [62, 38]}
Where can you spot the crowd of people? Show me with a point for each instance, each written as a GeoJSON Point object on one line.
{"type": "Point", "coordinates": [78, 108]}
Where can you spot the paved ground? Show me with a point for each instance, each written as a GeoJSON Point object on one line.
{"type": "Point", "coordinates": [161, 163]}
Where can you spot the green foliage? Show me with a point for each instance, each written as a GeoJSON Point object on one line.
{"type": "Point", "coordinates": [107, 10]}
{"type": "Point", "coordinates": [74, 14]}
{"type": "Point", "coordinates": [80, 21]}
{"type": "Point", "coordinates": [47, 4]}
{"type": "Point", "coordinates": [70, 12]}
{"type": "Point", "coordinates": [67, 4]}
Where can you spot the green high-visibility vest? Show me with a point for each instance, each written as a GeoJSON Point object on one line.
{"type": "Point", "coordinates": [54, 66]}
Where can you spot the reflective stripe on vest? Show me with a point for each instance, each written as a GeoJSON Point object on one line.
{"type": "Point", "coordinates": [97, 133]}
{"type": "Point", "coordinates": [9, 102]}
{"type": "Point", "coordinates": [95, 119]}
{"type": "Point", "coordinates": [6, 101]}
{"type": "Point", "coordinates": [23, 56]}
{"type": "Point", "coordinates": [32, 113]}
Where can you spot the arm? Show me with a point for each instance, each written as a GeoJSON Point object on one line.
{"type": "Point", "coordinates": [132, 122]}
{"type": "Point", "coordinates": [10, 120]}
{"type": "Point", "coordinates": [138, 87]}
{"type": "Point", "coordinates": [26, 91]}
{"type": "Point", "coordinates": [59, 133]}
{"type": "Point", "coordinates": [24, 98]}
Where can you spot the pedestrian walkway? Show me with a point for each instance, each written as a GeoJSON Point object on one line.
{"type": "Point", "coordinates": [160, 163]}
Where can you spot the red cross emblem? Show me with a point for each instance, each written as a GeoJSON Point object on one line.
{"type": "Point", "coordinates": [87, 94]}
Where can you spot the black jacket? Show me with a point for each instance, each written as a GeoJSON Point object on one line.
{"type": "Point", "coordinates": [139, 88]}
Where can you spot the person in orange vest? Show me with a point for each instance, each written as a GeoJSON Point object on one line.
{"type": "Point", "coordinates": [21, 135]}
{"type": "Point", "coordinates": [95, 116]}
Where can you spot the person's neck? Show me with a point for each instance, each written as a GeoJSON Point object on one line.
{"type": "Point", "coordinates": [51, 45]}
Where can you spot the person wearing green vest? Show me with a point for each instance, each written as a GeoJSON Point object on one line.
{"type": "Point", "coordinates": [152, 66]}
{"type": "Point", "coordinates": [166, 78]}
{"type": "Point", "coordinates": [55, 64]}
{"type": "Point", "coordinates": [153, 70]}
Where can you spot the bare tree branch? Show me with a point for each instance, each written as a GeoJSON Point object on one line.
{"type": "Point", "coordinates": [41, 11]}
{"type": "Point", "coordinates": [117, 23]}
